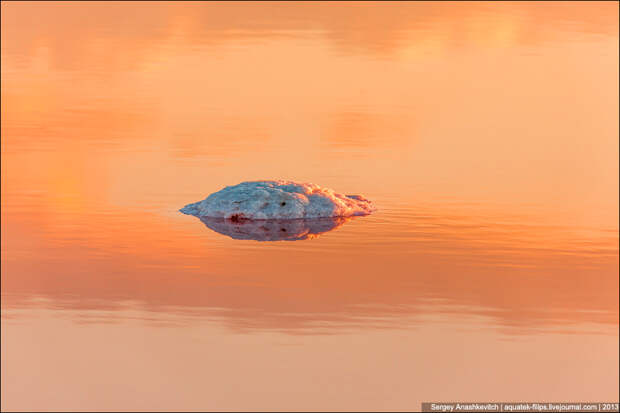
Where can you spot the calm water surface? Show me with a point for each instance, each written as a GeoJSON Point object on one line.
{"type": "Point", "coordinates": [486, 134]}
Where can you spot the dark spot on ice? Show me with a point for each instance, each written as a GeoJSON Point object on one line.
{"type": "Point", "coordinates": [283, 229]}
{"type": "Point", "coordinates": [283, 203]}
{"type": "Point", "coordinates": [236, 217]}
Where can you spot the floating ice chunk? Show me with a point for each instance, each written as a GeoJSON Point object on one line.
{"type": "Point", "coordinates": [278, 200]}
{"type": "Point", "coordinates": [274, 229]}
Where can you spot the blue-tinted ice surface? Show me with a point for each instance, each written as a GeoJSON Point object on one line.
{"type": "Point", "coordinates": [278, 200]}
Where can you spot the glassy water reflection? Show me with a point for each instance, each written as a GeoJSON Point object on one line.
{"type": "Point", "coordinates": [274, 229]}
{"type": "Point", "coordinates": [485, 133]}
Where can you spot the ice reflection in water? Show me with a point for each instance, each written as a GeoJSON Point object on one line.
{"type": "Point", "coordinates": [274, 229]}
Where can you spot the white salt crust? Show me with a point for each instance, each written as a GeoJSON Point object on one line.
{"type": "Point", "coordinates": [261, 200]}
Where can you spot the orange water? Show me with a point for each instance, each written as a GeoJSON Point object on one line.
{"type": "Point", "coordinates": [485, 133]}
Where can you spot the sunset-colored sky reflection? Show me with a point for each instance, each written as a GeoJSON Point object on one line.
{"type": "Point", "coordinates": [485, 133]}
